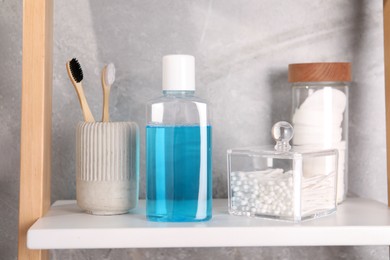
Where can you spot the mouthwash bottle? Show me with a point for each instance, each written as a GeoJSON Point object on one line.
{"type": "Point", "coordinates": [178, 148]}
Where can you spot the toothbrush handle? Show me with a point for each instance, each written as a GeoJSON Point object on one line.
{"type": "Point", "coordinates": [88, 117]}
{"type": "Point", "coordinates": [106, 101]}
{"type": "Point", "coordinates": [106, 97]}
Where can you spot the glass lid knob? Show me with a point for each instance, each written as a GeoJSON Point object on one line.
{"type": "Point", "coordinates": [282, 132]}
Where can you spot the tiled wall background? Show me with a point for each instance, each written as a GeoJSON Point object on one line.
{"type": "Point", "coordinates": [242, 50]}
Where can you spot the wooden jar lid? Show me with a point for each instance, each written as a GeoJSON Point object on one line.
{"type": "Point", "coordinates": [316, 72]}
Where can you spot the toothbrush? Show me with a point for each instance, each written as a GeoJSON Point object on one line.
{"type": "Point", "coordinates": [76, 76]}
{"type": "Point", "coordinates": [108, 78]}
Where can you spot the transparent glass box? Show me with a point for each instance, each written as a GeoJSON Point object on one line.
{"type": "Point", "coordinates": [292, 184]}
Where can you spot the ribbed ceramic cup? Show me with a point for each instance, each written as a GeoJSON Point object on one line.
{"type": "Point", "coordinates": [107, 167]}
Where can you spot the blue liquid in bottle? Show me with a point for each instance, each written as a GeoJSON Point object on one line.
{"type": "Point", "coordinates": [178, 161]}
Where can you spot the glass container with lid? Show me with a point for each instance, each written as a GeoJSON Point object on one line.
{"type": "Point", "coordinates": [320, 110]}
{"type": "Point", "coordinates": [282, 182]}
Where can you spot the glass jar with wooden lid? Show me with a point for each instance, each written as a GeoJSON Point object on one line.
{"type": "Point", "coordinates": [320, 112]}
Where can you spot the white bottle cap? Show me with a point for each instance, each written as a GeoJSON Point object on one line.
{"type": "Point", "coordinates": [178, 72]}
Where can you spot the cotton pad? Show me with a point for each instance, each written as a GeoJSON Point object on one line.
{"type": "Point", "coordinates": [326, 97]}
{"type": "Point", "coordinates": [304, 129]}
{"type": "Point", "coordinates": [326, 140]}
{"type": "Point", "coordinates": [317, 117]}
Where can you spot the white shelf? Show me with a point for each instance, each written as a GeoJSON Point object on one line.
{"type": "Point", "coordinates": [65, 226]}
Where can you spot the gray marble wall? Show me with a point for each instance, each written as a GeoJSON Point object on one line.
{"type": "Point", "coordinates": [242, 49]}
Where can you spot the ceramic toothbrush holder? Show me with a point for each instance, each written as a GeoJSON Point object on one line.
{"type": "Point", "coordinates": [107, 169]}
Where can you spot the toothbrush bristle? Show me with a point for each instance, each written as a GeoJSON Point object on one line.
{"type": "Point", "coordinates": [75, 69]}
{"type": "Point", "coordinates": [110, 74]}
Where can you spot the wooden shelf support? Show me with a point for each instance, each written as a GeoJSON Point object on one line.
{"type": "Point", "coordinates": [35, 148]}
{"type": "Point", "coordinates": [386, 28]}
